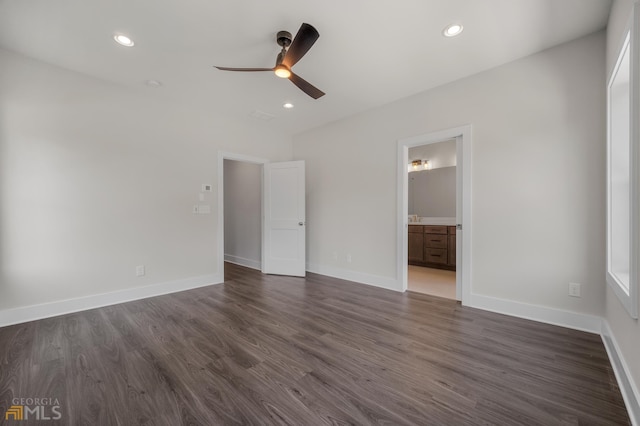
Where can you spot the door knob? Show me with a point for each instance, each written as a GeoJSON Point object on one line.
{"type": "Point", "coordinates": [301, 223]}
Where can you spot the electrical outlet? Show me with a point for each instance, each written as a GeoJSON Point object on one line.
{"type": "Point", "coordinates": [574, 289]}
{"type": "Point", "coordinates": [140, 271]}
{"type": "Point", "coordinates": [348, 257]}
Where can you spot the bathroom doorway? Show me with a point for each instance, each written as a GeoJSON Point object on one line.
{"type": "Point", "coordinates": [437, 240]}
{"type": "Point", "coordinates": [432, 219]}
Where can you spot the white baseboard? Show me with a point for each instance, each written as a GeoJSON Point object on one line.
{"type": "Point", "coordinates": [626, 383]}
{"type": "Point", "coordinates": [62, 307]}
{"type": "Point", "coordinates": [359, 277]}
{"type": "Point", "coordinates": [574, 320]}
{"type": "Point", "coordinates": [249, 263]}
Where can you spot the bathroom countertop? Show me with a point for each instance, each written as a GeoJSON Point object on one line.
{"type": "Point", "coordinates": [434, 221]}
{"type": "Point", "coordinates": [432, 224]}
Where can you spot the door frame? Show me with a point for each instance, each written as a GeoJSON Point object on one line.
{"type": "Point", "coordinates": [463, 184]}
{"type": "Point", "coordinates": [246, 159]}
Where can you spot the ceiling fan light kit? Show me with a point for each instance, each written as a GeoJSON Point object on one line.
{"type": "Point", "coordinates": [291, 53]}
{"type": "Point", "coordinates": [282, 71]}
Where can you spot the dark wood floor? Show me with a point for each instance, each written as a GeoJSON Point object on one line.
{"type": "Point", "coordinates": [282, 350]}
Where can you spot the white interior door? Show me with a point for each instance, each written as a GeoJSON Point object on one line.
{"type": "Point", "coordinates": [284, 219]}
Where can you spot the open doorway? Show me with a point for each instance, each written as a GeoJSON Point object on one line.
{"type": "Point", "coordinates": [432, 219]}
{"type": "Point", "coordinates": [240, 198]}
{"type": "Point", "coordinates": [243, 213]}
{"type": "Point", "coordinates": [455, 252]}
{"type": "Point", "coordinates": [281, 204]}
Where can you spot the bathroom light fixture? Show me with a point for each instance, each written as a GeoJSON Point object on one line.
{"type": "Point", "coordinates": [288, 105]}
{"type": "Point", "coordinates": [123, 40]}
{"type": "Point", "coordinates": [417, 165]}
{"type": "Point", "coordinates": [452, 30]}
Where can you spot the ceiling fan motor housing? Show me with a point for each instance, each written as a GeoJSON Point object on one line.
{"type": "Point", "coordinates": [284, 38]}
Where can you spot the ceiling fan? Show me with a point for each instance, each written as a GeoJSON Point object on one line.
{"type": "Point", "coordinates": [291, 53]}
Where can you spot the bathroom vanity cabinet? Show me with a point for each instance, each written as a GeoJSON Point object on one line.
{"type": "Point", "coordinates": [433, 246]}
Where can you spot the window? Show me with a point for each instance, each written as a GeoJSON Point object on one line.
{"type": "Point", "coordinates": [622, 177]}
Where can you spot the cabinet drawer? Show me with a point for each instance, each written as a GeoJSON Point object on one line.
{"type": "Point", "coordinates": [452, 230]}
{"type": "Point", "coordinates": [416, 247]}
{"type": "Point", "coordinates": [452, 250]}
{"type": "Point", "coordinates": [435, 241]}
{"type": "Point", "coordinates": [435, 255]}
{"type": "Point", "coordinates": [415, 229]}
{"type": "Point", "coordinates": [432, 229]}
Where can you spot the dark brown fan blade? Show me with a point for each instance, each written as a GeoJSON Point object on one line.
{"type": "Point", "coordinates": [244, 69]}
{"type": "Point", "coordinates": [306, 37]}
{"type": "Point", "coordinates": [306, 87]}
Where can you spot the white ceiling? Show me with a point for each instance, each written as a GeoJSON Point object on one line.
{"type": "Point", "coordinates": [369, 52]}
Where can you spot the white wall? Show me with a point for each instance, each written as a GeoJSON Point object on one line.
{"type": "Point", "coordinates": [96, 179]}
{"type": "Point", "coordinates": [625, 330]}
{"type": "Point", "coordinates": [432, 193]}
{"type": "Point", "coordinates": [538, 178]}
{"type": "Point", "coordinates": [243, 213]}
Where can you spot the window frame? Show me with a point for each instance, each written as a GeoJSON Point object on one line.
{"type": "Point", "coordinates": [629, 299]}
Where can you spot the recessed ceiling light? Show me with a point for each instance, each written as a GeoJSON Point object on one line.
{"type": "Point", "coordinates": [153, 83]}
{"type": "Point", "coordinates": [123, 40]}
{"type": "Point", "coordinates": [288, 105]}
{"type": "Point", "coordinates": [452, 30]}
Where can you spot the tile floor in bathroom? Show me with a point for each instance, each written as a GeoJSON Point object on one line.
{"type": "Point", "coordinates": [436, 282]}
